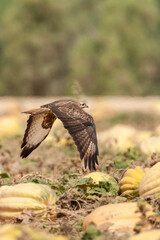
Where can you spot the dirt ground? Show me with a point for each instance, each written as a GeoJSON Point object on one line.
{"type": "Point", "coordinates": [57, 164]}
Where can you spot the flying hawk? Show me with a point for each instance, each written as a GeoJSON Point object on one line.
{"type": "Point", "coordinates": [79, 124]}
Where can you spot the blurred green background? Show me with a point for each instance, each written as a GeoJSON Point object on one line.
{"type": "Point", "coordinates": [108, 47]}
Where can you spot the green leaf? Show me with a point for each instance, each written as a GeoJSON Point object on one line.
{"type": "Point", "coordinates": [97, 191]}
{"type": "Point", "coordinates": [1, 169]}
{"type": "Point", "coordinates": [79, 226]}
{"type": "Point", "coordinates": [4, 175]}
{"type": "Point", "coordinates": [80, 182]}
{"type": "Point", "coordinates": [104, 169]}
{"type": "Point", "coordinates": [121, 162]}
{"type": "Point", "coordinates": [60, 189]}
{"type": "Point", "coordinates": [91, 233]}
{"type": "Point", "coordinates": [109, 186]}
{"type": "Point", "coordinates": [35, 180]}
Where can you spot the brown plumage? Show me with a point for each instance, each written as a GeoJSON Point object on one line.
{"type": "Point", "coordinates": [79, 124]}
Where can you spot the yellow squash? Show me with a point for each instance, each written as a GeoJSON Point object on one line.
{"type": "Point", "coordinates": [151, 145]}
{"type": "Point", "coordinates": [16, 232]}
{"type": "Point", "coordinates": [129, 184]}
{"type": "Point", "coordinates": [150, 183]}
{"type": "Point", "coordinates": [10, 126]}
{"type": "Point", "coordinates": [37, 198]}
{"type": "Point", "coordinates": [98, 177]}
{"type": "Point", "coordinates": [120, 217]}
{"type": "Point", "coordinates": [118, 137]}
{"type": "Point", "coordinates": [152, 234]}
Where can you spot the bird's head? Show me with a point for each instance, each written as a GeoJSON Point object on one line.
{"type": "Point", "coordinates": [83, 105]}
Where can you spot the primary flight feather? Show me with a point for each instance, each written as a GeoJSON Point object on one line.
{"type": "Point", "coordinates": [79, 124]}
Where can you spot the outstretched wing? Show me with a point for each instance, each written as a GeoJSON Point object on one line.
{"type": "Point", "coordinates": [39, 125]}
{"type": "Point", "coordinates": [82, 129]}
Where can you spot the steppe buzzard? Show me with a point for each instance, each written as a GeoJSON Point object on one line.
{"type": "Point", "coordinates": [79, 124]}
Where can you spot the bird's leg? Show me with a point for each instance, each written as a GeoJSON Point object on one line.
{"type": "Point", "coordinates": [84, 170]}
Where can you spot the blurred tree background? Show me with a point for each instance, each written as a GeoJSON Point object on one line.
{"type": "Point", "coordinates": [109, 47]}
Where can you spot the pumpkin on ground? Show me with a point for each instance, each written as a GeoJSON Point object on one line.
{"type": "Point", "coordinates": [98, 177]}
{"type": "Point", "coordinates": [152, 234]}
{"type": "Point", "coordinates": [38, 198]}
{"type": "Point", "coordinates": [129, 184]}
{"type": "Point", "coordinates": [17, 232]}
{"type": "Point", "coordinates": [141, 136]}
{"type": "Point", "coordinates": [150, 183]}
{"type": "Point", "coordinates": [120, 217]}
{"type": "Point", "coordinates": [10, 126]}
{"type": "Point", "coordinates": [118, 137]}
{"type": "Point", "coordinates": [108, 182]}
{"type": "Point", "coordinates": [151, 145]}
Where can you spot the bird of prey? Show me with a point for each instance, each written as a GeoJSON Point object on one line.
{"type": "Point", "coordinates": [79, 124]}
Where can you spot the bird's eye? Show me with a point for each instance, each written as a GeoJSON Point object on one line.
{"type": "Point", "coordinates": [83, 105]}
